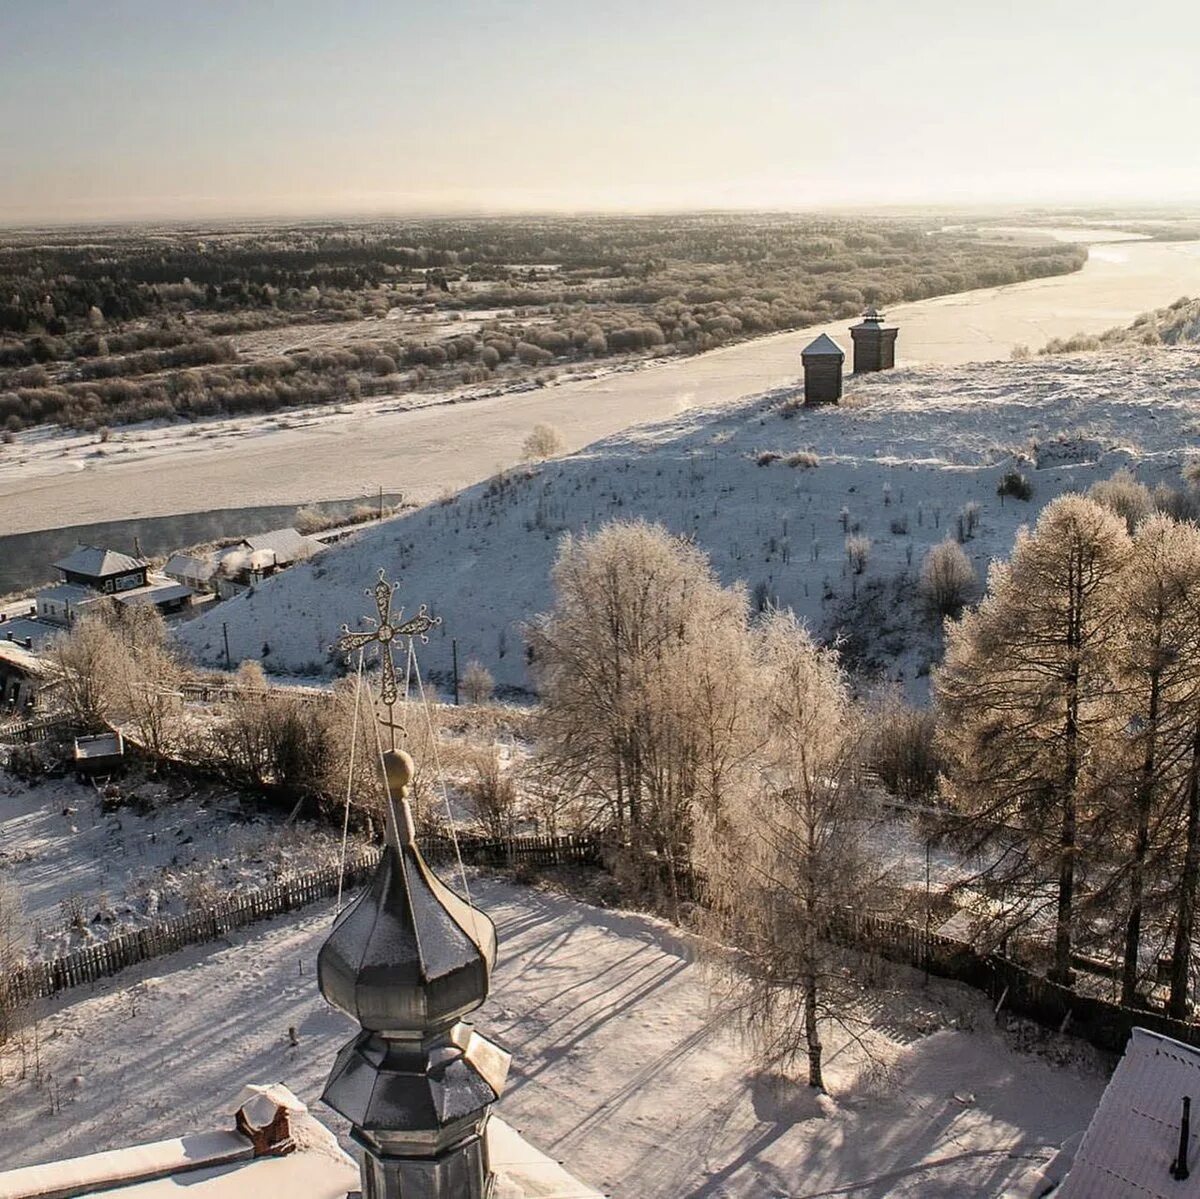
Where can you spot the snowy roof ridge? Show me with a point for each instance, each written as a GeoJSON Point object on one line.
{"type": "Point", "coordinates": [98, 562]}
{"type": "Point", "coordinates": [823, 346]}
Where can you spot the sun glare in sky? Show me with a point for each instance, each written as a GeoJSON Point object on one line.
{"type": "Point", "coordinates": [162, 108]}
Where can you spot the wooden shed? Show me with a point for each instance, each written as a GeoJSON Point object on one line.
{"type": "Point", "coordinates": [874, 343]}
{"type": "Point", "coordinates": [103, 753]}
{"type": "Point", "coordinates": [822, 361]}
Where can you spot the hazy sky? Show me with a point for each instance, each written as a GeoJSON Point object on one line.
{"type": "Point", "coordinates": [127, 108]}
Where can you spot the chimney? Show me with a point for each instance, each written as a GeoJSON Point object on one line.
{"type": "Point", "coordinates": [1179, 1167]}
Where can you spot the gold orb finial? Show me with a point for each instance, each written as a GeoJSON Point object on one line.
{"type": "Point", "coordinates": [399, 769]}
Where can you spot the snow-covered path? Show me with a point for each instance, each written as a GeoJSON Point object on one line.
{"type": "Point", "coordinates": [624, 1067]}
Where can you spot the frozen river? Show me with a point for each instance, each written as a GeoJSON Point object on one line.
{"type": "Point", "coordinates": [421, 451]}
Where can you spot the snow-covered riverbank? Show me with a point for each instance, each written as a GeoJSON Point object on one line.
{"type": "Point", "coordinates": [425, 449]}
{"type": "Point", "coordinates": [769, 495]}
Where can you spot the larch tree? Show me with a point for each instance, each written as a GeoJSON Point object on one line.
{"type": "Point", "coordinates": [1157, 683]}
{"type": "Point", "coordinates": [1023, 697]}
{"type": "Point", "coordinates": [784, 866]}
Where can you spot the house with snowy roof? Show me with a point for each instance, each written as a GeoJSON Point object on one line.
{"type": "Point", "coordinates": [91, 573]}
{"type": "Point", "coordinates": [1141, 1141]}
{"type": "Point", "coordinates": [259, 556]}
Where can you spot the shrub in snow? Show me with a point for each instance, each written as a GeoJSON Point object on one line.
{"type": "Point", "coordinates": [1015, 484]}
{"type": "Point", "coordinates": [545, 441]}
{"type": "Point", "coordinates": [901, 750]}
{"type": "Point", "coordinates": [477, 683]}
{"type": "Point", "coordinates": [1125, 496]}
{"type": "Point", "coordinates": [948, 580]}
{"type": "Point", "coordinates": [858, 550]}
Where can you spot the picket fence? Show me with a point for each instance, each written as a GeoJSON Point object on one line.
{"type": "Point", "coordinates": [32, 732]}
{"type": "Point", "coordinates": [40, 980]}
{"type": "Point", "coordinates": [1013, 988]}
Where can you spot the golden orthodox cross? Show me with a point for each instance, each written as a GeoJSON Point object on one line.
{"type": "Point", "coordinates": [388, 626]}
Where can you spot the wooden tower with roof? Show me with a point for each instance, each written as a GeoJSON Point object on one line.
{"type": "Point", "coordinates": [822, 361]}
{"type": "Point", "coordinates": [874, 343]}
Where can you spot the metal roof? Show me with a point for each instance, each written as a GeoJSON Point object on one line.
{"type": "Point", "coordinates": [99, 563]}
{"type": "Point", "coordinates": [68, 593]}
{"type": "Point", "coordinates": [286, 544]}
{"type": "Point", "coordinates": [190, 567]}
{"type": "Point", "coordinates": [1133, 1138]}
{"type": "Point", "coordinates": [154, 593]}
{"type": "Point", "coordinates": [823, 347]}
{"type": "Point", "coordinates": [26, 629]}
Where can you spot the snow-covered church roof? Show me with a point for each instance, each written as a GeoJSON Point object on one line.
{"type": "Point", "coordinates": [1133, 1141]}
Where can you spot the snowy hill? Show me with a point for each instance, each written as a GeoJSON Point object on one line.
{"type": "Point", "coordinates": [897, 462]}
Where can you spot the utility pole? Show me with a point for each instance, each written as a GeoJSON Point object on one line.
{"type": "Point", "coordinates": [454, 652]}
{"type": "Point", "coordinates": [225, 634]}
{"type": "Point", "coordinates": [381, 501]}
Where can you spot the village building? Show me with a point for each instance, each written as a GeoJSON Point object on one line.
{"type": "Point", "coordinates": [253, 559]}
{"type": "Point", "coordinates": [22, 676]}
{"type": "Point", "coordinates": [1143, 1139]}
{"type": "Point", "coordinates": [874, 343]}
{"type": "Point", "coordinates": [199, 572]}
{"type": "Point", "coordinates": [822, 360]}
{"type": "Point", "coordinates": [91, 574]}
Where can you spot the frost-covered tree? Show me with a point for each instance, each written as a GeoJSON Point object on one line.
{"type": "Point", "coordinates": [477, 683]}
{"type": "Point", "coordinates": [788, 862]}
{"type": "Point", "coordinates": [948, 580]}
{"type": "Point", "coordinates": [12, 954]}
{"type": "Point", "coordinates": [1023, 700]}
{"type": "Point", "coordinates": [544, 441]}
{"type": "Point", "coordinates": [1123, 494]}
{"type": "Point", "coordinates": [643, 666]}
{"type": "Point", "coordinates": [1157, 704]}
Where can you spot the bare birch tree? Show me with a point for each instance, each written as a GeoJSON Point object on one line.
{"type": "Point", "coordinates": [788, 864]}
{"type": "Point", "coordinates": [642, 665]}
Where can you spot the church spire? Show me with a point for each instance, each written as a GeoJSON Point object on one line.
{"type": "Point", "coordinates": [408, 960]}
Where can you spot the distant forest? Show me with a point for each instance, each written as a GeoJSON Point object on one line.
{"type": "Point", "coordinates": [102, 327]}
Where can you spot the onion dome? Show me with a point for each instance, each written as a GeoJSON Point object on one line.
{"type": "Point", "coordinates": [407, 961]}
{"type": "Point", "coordinates": [408, 955]}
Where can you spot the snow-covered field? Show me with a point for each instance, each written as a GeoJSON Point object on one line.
{"type": "Point", "coordinates": [84, 875]}
{"type": "Point", "coordinates": [625, 1068]}
{"type": "Point", "coordinates": [422, 448]}
{"type": "Point", "coordinates": [897, 462]}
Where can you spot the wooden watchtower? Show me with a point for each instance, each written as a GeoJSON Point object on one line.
{"type": "Point", "coordinates": [874, 343]}
{"type": "Point", "coordinates": [822, 361]}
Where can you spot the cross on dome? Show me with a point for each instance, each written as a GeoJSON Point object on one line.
{"type": "Point", "coordinates": [388, 627]}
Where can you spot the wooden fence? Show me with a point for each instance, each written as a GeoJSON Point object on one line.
{"type": "Point", "coordinates": [39, 980]}
{"type": "Point", "coordinates": [1011, 987]}
{"type": "Point", "coordinates": [30, 732]}
{"type": "Point", "coordinates": [516, 851]}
